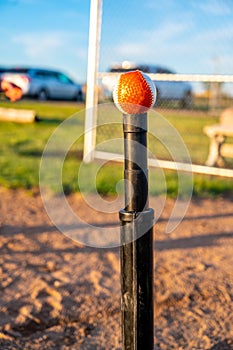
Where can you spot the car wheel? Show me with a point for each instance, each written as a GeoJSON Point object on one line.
{"type": "Point", "coordinates": [42, 95]}
{"type": "Point", "coordinates": [187, 100]}
{"type": "Point", "coordinates": [79, 96]}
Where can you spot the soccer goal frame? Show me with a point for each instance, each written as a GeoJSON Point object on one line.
{"type": "Point", "coordinates": [90, 153]}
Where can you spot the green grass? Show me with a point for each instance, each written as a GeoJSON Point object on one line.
{"type": "Point", "coordinates": [22, 146]}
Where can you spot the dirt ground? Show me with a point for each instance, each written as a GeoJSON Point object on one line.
{"type": "Point", "coordinates": [56, 294]}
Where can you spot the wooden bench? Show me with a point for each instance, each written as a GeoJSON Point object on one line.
{"type": "Point", "coordinates": [218, 133]}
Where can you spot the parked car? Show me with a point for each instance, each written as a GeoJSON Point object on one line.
{"type": "Point", "coordinates": [45, 84]}
{"type": "Point", "coordinates": [2, 70]}
{"type": "Point", "coordinates": [166, 90]}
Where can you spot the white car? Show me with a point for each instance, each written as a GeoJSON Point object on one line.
{"type": "Point", "coordinates": [44, 84]}
{"type": "Point", "coordinates": [166, 90]}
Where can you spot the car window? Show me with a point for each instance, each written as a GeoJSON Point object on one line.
{"type": "Point", "coordinates": [40, 74]}
{"type": "Point", "coordinates": [45, 74]}
{"type": "Point", "coordinates": [153, 69]}
{"type": "Point", "coordinates": [164, 70]}
{"type": "Point", "coordinates": [119, 70]}
{"type": "Point", "coordinates": [144, 69]}
{"type": "Point", "coordinates": [18, 70]}
{"type": "Point", "coordinates": [160, 70]}
{"type": "Point", "coordinates": [63, 78]}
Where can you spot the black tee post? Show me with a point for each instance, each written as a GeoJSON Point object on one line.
{"type": "Point", "coordinates": [136, 251]}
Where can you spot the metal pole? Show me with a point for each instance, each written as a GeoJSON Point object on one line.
{"type": "Point", "coordinates": [136, 240]}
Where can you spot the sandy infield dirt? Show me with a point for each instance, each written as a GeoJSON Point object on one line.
{"type": "Point", "coordinates": [57, 294]}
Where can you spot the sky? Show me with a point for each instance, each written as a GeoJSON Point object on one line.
{"type": "Point", "coordinates": [194, 36]}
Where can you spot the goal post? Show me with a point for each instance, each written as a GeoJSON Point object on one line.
{"type": "Point", "coordinates": [92, 74]}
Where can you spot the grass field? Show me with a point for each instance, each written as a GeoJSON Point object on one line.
{"type": "Point", "coordinates": [22, 146]}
